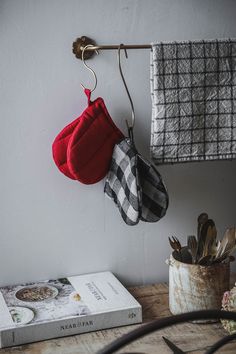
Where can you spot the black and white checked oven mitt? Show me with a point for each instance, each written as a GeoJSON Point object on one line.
{"type": "Point", "coordinates": [122, 183]}
{"type": "Point", "coordinates": [135, 185]}
{"type": "Point", "coordinates": [155, 198]}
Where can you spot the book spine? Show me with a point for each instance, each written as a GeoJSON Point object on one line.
{"type": "Point", "coordinates": [67, 327]}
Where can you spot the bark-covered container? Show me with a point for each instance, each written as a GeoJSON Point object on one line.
{"type": "Point", "coordinates": [195, 287]}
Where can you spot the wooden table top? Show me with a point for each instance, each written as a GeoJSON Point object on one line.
{"type": "Point", "coordinates": [191, 338]}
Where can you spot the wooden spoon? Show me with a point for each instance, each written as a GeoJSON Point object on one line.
{"type": "Point", "coordinates": [227, 245]}
{"type": "Point", "coordinates": [193, 247]}
{"type": "Point", "coordinates": [202, 219]}
{"type": "Point", "coordinates": [203, 236]}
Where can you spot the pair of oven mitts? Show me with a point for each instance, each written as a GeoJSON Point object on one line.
{"type": "Point", "coordinates": [135, 185]}
{"type": "Point", "coordinates": [83, 149]}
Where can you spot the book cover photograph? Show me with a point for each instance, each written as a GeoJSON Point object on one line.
{"type": "Point", "coordinates": [40, 302]}
{"type": "Point", "coordinates": [53, 308]}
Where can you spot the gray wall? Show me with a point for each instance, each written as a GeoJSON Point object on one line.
{"type": "Point", "coordinates": [50, 225]}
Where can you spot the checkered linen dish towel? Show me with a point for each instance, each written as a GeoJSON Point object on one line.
{"type": "Point", "coordinates": [135, 186]}
{"type": "Point", "coordinates": [193, 90]}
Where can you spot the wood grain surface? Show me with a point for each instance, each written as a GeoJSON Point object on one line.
{"type": "Point", "coordinates": [191, 338]}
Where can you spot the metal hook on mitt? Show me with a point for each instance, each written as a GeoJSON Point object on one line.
{"type": "Point", "coordinates": [130, 127]}
{"type": "Point", "coordinates": [88, 67]}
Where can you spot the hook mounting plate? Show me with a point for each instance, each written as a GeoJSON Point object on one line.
{"type": "Point", "coordinates": [78, 46]}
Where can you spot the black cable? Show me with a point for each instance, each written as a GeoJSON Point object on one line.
{"type": "Point", "coordinates": [220, 343]}
{"type": "Point", "coordinates": [165, 322]}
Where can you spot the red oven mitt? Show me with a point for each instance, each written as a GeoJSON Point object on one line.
{"type": "Point", "coordinates": [83, 149]}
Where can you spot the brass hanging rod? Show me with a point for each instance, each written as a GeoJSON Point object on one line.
{"type": "Point", "coordinates": [83, 41]}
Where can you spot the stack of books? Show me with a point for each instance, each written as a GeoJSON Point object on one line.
{"type": "Point", "coordinates": [67, 306]}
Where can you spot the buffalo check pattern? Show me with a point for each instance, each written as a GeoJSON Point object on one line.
{"type": "Point", "coordinates": [135, 186]}
{"type": "Point", "coordinates": [155, 198]}
{"type": "Point", "coordinates": [122, 184]}
{"type": "Point", "coordinates": [193, 91]}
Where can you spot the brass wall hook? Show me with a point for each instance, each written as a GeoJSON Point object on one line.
{"type": "Point", "coordinates": [83, 41]}
{"type": "Point", "coordinates": [79, 45]}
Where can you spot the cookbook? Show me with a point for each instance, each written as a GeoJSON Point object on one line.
{"type": "Point", "coordinates": [56, 308]}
